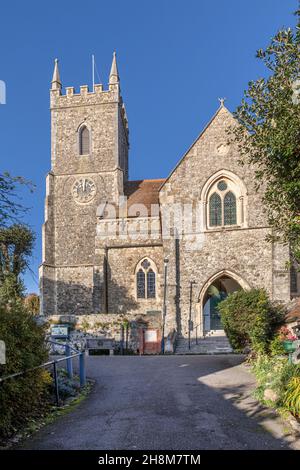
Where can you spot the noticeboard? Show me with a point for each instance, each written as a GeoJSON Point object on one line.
{"type": "Point", "coordinates": [150, 336]}
{"type": "Point", "coordinates": [60, 331]}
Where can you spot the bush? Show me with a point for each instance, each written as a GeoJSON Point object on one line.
{"type": "Point", "coordinates": [291, 398]}
{"type": "Point", "coordinates": [250, 319]}
{"type": "Point", "coordinates": [276, 346]}
{"type": "Point", "coordinates": [68, 387]}
{"type": "Point", "coordinates": [278, 382]}
{"type": "Point", "coordinates": [272, 373]}
{"type": "Point", "coordinates": [21, 398]}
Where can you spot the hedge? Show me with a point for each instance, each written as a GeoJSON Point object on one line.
{"type": "Point", "coordinates": [21, 398]}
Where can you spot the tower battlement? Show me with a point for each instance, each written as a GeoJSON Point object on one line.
{"type": "Point", "coordinates": [113, 90]}
{"type": "Point", "coordinates": [86, 97]}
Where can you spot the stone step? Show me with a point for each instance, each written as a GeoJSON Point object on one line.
{"type": "Point", "coordinates": [215, 333]}
{"type": "Point", "coordinates": [205, 342]}
{"type": "Point", "coordinates": [203, 347]}
{"type": "Point", "coordinates": [216, 343]}
{"type": "Point", "coordinates": [205, 351]}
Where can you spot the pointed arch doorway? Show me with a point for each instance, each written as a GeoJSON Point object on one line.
{"type": "Point", "coordinates": [216, 289]}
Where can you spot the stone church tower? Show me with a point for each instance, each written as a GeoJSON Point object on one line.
{"type": "Point", "coordinates": [89, 166]}
{"type": "Point", "coordinates": [109, 252]}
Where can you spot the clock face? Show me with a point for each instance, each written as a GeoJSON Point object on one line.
{"type": "Point", "coordinates": [84, 190]}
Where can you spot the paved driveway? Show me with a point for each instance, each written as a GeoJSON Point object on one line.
{"type": "Point", "coordinates": [167, 403]}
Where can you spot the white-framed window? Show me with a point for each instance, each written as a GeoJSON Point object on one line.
{"type": "Point", "coordinates": [146, 279]}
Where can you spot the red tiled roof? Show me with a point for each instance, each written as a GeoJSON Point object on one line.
{"type": "Point", "coordinates": [142, 192]}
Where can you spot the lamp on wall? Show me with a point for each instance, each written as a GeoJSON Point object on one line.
{"type": "Point", "coordinates": [164, 305]}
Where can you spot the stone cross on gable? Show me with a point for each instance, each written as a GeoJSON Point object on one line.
{"type": "Point", "coordinates": [222, 101]}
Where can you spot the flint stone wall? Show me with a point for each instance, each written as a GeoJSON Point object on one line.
{"type": "Point", "coordinates": [109, 326]}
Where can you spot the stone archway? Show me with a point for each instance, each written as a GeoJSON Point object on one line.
{"type": "Point", "coordinates": [216, 289]}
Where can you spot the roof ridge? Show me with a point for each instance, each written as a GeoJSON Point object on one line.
{"type": "Point", "coordinates": [145, 180]}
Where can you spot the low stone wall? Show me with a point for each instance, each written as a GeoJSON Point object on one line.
{"type": "Point", "coordinates": [109, 326]}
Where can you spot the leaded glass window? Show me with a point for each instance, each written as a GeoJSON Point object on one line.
{"type": "Point", "coordinates": [151, 284]}
{"type": "Point", "coordinates": [222, 185]}
{"type": "Point", "coordinates": [230, 209]}
{"type": "Point", "coordinates": [145, 264]}
{"type": "Point", "coordinates": [215, 210]}
{"type": "Point", "coordinates": [224, 204]}
{"type": "Point", "coordinates": [146, 280]}
{"type": "Point", "coordinates": [140, 284]}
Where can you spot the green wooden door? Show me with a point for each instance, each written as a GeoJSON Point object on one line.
{"type": "Point", "coordinates": [215, 317]}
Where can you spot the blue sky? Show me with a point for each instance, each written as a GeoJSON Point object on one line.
{"type": "Point", "coordinates": [175, 57]}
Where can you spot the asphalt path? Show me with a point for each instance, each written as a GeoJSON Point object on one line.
{"type": "Point", "coordinates": [167, 403]}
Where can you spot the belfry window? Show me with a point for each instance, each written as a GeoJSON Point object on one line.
{"type": "Point", "coordinates": [84, 141]}
{"type": "Point", "coordinates": [146, 280]}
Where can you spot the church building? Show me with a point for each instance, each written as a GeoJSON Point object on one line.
{"type": "Point", "coordinates": [160, 252]}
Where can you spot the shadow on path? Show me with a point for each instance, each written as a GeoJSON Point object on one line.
{"type": "Point", "coordinates": [167, 403]}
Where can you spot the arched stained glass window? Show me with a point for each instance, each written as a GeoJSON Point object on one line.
{"type": "Point", "coordinates": [140, 284]}
{"type": "Point", "coordinates": [84, 141]}
{"type": "Point", "coordinates": [229, 209]}
{"type": "Point", "coordinates": [151, 284]}
{"type": "Point", "coordinates": [215, 210]}
{"type": "Point", "coordinates": [146, 280]}
{"type": "Point", "coordinates": [226, 201]}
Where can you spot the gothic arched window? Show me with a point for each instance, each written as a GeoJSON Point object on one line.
{"type": "Point", "coordinates": [222, 204]}
{"type": "Point", "coordinates": [84, 141]}
{"type": "Point", "coordinates": [151, 284]}
{"type": "Point", "coordinates": [146, 280]}
{"type": "Point", "coordinates": [215, 210]}
{"type": "Point", "coordinates": [229, 209]}
{"type": "Point", "coordinates": [140, 284]}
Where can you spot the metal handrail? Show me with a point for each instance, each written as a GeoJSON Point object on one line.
{"type": "Point", "coordinates": [194, 328]}
{"type": "Point", "coordinates": [68, 358]}
{"type": "Point", "coordinates": [62, 344]}
{"type": "Point", "coordinates": [45, 364]}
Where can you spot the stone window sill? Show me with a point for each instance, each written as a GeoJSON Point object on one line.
{"type": "Point", "coordinates": [224, 228]}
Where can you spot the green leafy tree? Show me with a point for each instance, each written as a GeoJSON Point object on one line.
{"type": "Point", "coordinates": [32, 303]}
{"type": "Point", "coordinates": [268, 134]}
{"type": "Point", "coordinates": [11, 208]}
{"type": "Point", "coordinates": [16, 245]}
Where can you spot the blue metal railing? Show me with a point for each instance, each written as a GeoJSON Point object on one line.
{"type": "Point", "coordinates": [69, 367]}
